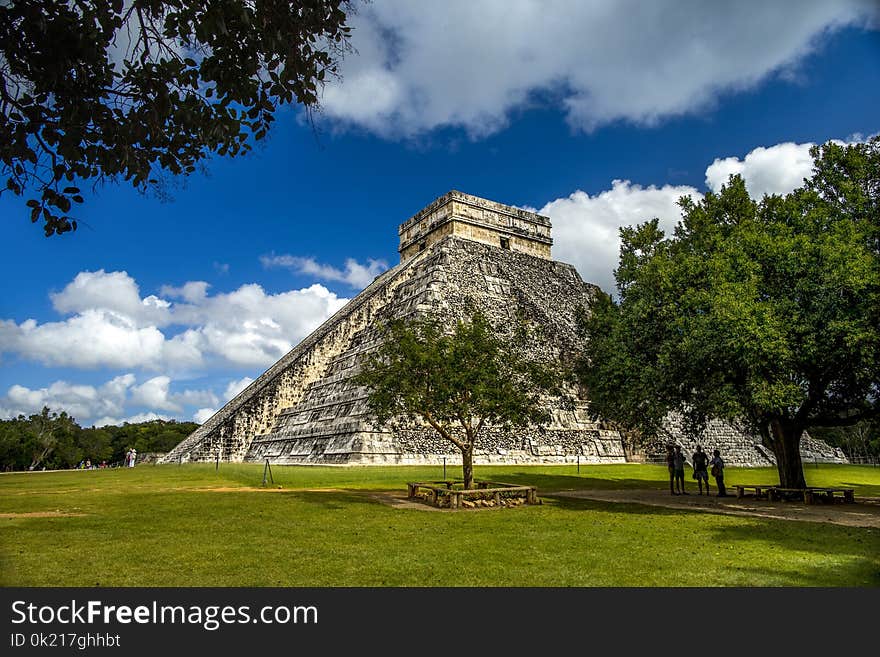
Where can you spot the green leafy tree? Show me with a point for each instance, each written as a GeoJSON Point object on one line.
{"type": "Point", "coordinates": [94, 90]}
{"type": "Point", "coordinates": [13, 454]}
{"type": "Point", "coordinates": [50, 438]}
{"type": "Point", "coordinates": [765, 312]}
{"type": "Point", "coordinates": [860, 442]}
{"type": "Point", "coordinates": [95, 444]}
{"type": "Point", "coordinates": [459, 383]}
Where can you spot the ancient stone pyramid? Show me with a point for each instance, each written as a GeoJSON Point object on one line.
{"type": "Point", "coordinates": [459, 250]}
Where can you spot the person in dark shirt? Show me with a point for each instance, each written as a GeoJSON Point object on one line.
{"type": "Point", "coordinates": [701, 462]}
{"type": "Point", "coordinates": [678, 461]}
{"type": "Point", "coordinates": [670, 463]}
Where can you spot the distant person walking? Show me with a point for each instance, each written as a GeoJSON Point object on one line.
{"type": "Point", "coordinates": [670, 463]}
{"type": "Point", "coordinates": [701, 473]}
{"type": "Point", "coordinates": [678, 462]}
{"type": "Point", "coordinates": [718, 472]}
{"type": "Point", "coordinates": [127, 461]}
{"type": "Point", "coordinates": [134, 455]}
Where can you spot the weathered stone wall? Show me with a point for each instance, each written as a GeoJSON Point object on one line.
{"type": "Point", "coordinates": [520, 447]}
{"type": "Point", "coordinates": [476, 219]}
{"type": "Point", "coordinates": [738, 447]}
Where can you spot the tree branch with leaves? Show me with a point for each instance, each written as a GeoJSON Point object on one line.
{"type": "Point", "coordinates": [97, 90]}
{"type": "Point", "coordinates": [459, 382]}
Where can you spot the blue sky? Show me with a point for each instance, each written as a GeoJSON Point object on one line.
{"type": "Point", "coordinates": [168, 307]}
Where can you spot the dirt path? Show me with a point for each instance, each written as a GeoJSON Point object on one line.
{"type": "Point", "coordinates": [41, 514]}
{"type": "Point", "coordinates": [864, 513]}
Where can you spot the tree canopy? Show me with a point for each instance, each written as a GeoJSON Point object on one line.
{"type": "Point", "coordinates": [764, 312]}
{"type": "Point", "coordinates": [94, 90]}
{"type": "Point", "coordinates": [458, 382]}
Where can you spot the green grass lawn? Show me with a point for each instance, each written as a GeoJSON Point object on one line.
{"type": "Point", "coordinates": [159, 526]}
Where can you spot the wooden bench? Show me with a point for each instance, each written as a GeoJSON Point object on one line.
{"type": "Point", "coordinates": [809, 495]}
{"type": "Point", "coordinates": [814, 494]}
{"type": "Point", "coordinates": [413, 487]}
{"type": "Point", "coordinates": [761, 491]}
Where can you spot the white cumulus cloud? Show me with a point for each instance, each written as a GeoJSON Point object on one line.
{"type": "Point", "coordinates": [153, 393]}
{"type": "Point", "coordinates": [193, 291]}
{"type": "Point", "coordinates": [775, 170]}
{"type": "Point", "coordinates": [113, 326]}
{"type": "Point", "coordinates": [92, 338]}
{"type": "Point", "coordinates": [115, 292]}
{"type": "Point", "coordinates": [421, 66]}
{"type": "Point", "coordinates": [236, 387]}
{"type": "Point", "coordinates": [203, 414]}
{"type": "Point", "coordinates": [355, 274]}
{"type": "Point", "coordinates": [586, 228]}
{"type": "Point", "coordinates": [80, 401]}
{"type": "Point", "coordinates": [113, 402]}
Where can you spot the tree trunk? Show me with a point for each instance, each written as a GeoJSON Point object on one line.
{"type": "Point", "coordinates": [36, 460]}
{"type": "Point", "coordinates": [467, 465]}
{"type": "Point", "coordinates": [786, 444]}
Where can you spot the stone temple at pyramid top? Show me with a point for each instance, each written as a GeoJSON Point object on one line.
{"type": "Point", "coordinates": [477, 219]}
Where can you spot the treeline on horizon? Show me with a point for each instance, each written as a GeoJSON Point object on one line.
{"type": "Point", "coordinates": [55, 441]}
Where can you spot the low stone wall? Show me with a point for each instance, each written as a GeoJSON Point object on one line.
{"type": "Point", "coordinates": [451, 495]}
{"type": "Point", "coordinates": [149, 458]}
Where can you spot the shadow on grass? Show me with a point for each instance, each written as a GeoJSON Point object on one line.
{"type": "Point", "coordinates": [546, 482]}
{"type": "Point", "coordinates": [858, 546]}
{"type": "Point", "coordinates": [331, 500]}
{"type": "Point", "coordinates": [861, 572]}
{"type": "Point", "coordinates": [565, 503]}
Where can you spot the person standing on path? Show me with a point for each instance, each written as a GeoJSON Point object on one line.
{"type": "Point", "coordinates": [718, 472]}
{"type": "Point", "coordinates": [678, 462]}
{"type": "Point", "coordinates": [670, 463]}
{"type": "Point", "coordinates": [701, 461]}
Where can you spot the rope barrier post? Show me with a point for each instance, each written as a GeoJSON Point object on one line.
{"type": "Point", "coordinates": [579, 463]}
{"type": "Point", "coordinates": [444, 467]}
